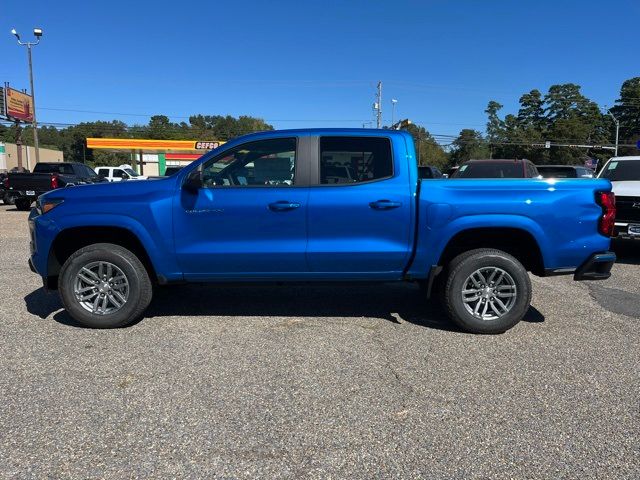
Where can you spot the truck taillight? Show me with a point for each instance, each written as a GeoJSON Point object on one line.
{"type": "Point", "coordinates": [55, 182]}
{"type": "Point", "coordinates": [607, 223]}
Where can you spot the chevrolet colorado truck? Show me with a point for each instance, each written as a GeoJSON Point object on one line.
{"type": "Point", "coordinates": [337, 205]}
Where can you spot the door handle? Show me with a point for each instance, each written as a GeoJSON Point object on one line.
{"type": "Point", "coordinates": [282, 206]}
{"type": "Point", "coordinates": [384, 205]}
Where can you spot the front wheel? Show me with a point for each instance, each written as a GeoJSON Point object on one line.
{"type": "Point", "coordinates": [104, 286]}
{"type": "Point", "coordinates": [23, 204]}
{"type": "Point", "coordinates": [487, 291]}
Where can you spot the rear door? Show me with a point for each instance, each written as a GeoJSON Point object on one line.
{"type": "Point", "coordinates": [359, 222]}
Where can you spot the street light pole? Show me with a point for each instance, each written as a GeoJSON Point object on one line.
{"type": "Point", "coordinates": [38, 33]}
{"type": "Point", "coordinates": [393, 111]}
{"type": "Point", "coordinates": [617, 122]}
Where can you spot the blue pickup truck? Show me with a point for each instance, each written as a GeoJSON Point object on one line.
{"type": "Point", "coordinates": [337, 205]}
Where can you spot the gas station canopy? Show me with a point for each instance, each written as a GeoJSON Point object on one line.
{"type": "Point", "coordinates": [150, 145]}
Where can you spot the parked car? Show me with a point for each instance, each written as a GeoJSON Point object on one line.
{"type": "Point", "coordinates": [118, 174]}
{"type": "Point", "coordinates": [171, 170]}
{"type": "Point", "coordinates": [3, 176]}
{"type": "Point", "coordinates": [167, 173]}
{"type": "Point", "coordinates": [262, 208]}
{"type": "Point", "coordinates": [429, 172]}
{"type": "Point", "coordinates": [497, 168]}
{"type": "Point", "coordinates": [23, 188]}
{"type": "Point", "coordinates": [564, 171]}
{"type": "Point", "coordinates": [624, 174]}
{"type": "Point", "coordinates": [6, 198]}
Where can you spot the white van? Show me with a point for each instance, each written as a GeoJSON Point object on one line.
{"type": "Point", "coordinates": [117, 174]}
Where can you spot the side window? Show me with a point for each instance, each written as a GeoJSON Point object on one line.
{"type": "Point", "coordinates": [262, 163]}
{"type": "Point", "coordinates": [345, 160]}
{"type": "Point", "coordinates": [117, 173]}
{"type": "Point", "coordinates": [103, 172]}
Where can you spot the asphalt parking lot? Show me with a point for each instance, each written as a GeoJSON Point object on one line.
{"type": "Point", "coordinates": [318, 382]}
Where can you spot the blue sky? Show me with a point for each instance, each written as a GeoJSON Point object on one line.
{"type": "Point", "coordinates": [315, 63]}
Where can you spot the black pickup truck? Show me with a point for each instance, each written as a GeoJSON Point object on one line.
{"type": "Point", "coordinates": [23, 188]}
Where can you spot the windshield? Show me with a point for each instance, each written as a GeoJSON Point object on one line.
{"type": "Point", "coordinates": [130, 172]}
{"type": "Point", "coordinates": [90, 172]}
{"type": "Point", "coordinates": [490, 170]}
{"type": "Point", "coordinates": [620, 171]}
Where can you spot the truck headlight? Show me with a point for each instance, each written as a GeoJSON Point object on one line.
{"type": "Point", "coordinates": [49, 204]}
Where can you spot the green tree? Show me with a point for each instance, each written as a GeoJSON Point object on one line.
{"type": "Point", "coordinates": [573, 118]}
{"type": "Point", "coordinates": [531, 115]}
{"type": "Point", "coordinates": [109, 158]}
{"type": "Point", "coordinates": [469, 145]}
{"type": "Point", "coordinates": [428, 152]}
{"type": "Point", "coordinates": [627, 111]}
{"type": "Point", "coordinates": [495, 126]}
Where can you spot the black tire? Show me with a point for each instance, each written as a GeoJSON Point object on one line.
{"type": "Point", "coordinates": [23, 204]}
{"type": "Point", "coordinates": [462, 267]}
{"type": "Point", "coordinates": [139, 291]}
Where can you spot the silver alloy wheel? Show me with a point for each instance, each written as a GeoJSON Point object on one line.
{"type": "Point", "coordinates": [101, 288]}
{"type": "Point", "coordinates": [489, 293]}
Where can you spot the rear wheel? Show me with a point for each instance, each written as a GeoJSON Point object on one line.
{"type": "Point", "coordinates": [104, 286]}
{"type": "Point", "coordinates": [487, 291]}
{"type": "Point", "coordinates": [23, 204]}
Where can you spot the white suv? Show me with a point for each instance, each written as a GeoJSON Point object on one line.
{"type": "Point", "coordinates": [117, 174]}
{"type": "Point", "coordinates": [624, 173]}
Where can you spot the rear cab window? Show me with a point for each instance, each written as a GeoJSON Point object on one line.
{"type": "Point", "coordinates": [352, 160]}
{"type": "Point", "coordinates": [491, 170]}
{"type": "Point", "coordinates": [60, 168]}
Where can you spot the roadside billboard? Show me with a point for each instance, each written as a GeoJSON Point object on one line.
{"type": "Point", "coordinates": [18, 105]}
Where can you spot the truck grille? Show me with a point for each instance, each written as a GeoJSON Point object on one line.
{"type": "Point", "coordinates": [628, 209]}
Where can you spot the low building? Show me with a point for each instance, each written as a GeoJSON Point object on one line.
{"type": "Point", "coordinates": [9, 156]}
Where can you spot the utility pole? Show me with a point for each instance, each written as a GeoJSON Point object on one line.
{"type": "Point", "coordinates": [617, 122]}
{"type": "Point", "coordinates": [37, 32]}
{"type": "Point", "coordinates": [19, 144]}
{"type": "Point", "coordinates": [378, 106]}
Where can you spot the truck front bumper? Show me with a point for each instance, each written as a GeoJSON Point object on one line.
{"type": "Point", "coordinates": [597, 267]}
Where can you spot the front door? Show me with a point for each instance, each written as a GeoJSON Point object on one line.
{"type": "Point", "coordinates": [248, 221]}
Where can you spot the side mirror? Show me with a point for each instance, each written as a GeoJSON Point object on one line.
{"type": "Point", "coordinates": [193, 182]}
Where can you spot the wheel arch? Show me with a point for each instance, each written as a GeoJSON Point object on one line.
{"type": "Point", "coordinates": [72, 239]}
{"type": "Point", "coordinates": [515, 241]}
